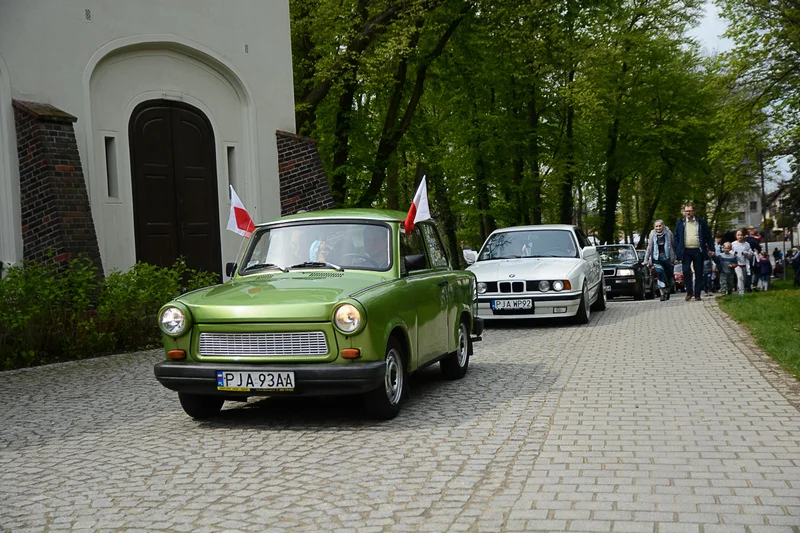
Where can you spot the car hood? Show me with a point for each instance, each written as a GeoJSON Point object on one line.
{"type": "Point", "coordinates": [529, 268]}
{"type": "Point", "coordinates": [280, 297]}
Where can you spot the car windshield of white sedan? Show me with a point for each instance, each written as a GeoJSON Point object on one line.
{"type": "Point", "coordinates": [614, 255]}
{"type": "Point", "coordinates": [352, 245]}
{"type": "Point", "coordinates": [530, 243]}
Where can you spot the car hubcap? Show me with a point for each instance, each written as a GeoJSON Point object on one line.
{"type": "Point", "coordinates": [463, 345]}
{"type": "Point", "coordinates": [394, 377]}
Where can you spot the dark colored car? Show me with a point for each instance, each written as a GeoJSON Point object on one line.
{"type": "Point", "coordinates": [625, 274]}
{"type": "Point", "coordinates": [680, 285]}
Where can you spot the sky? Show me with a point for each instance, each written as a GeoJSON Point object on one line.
{"type": "Point", "coordinates": [710, 30]}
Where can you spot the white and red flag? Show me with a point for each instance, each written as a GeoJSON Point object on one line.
{"type": "Point", "coordinates": [419, 207]}
{"type": "Point", "coordinates": [239, 220]}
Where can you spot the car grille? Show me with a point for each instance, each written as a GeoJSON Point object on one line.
{"type": "Point", "coordinates": [512, 286]}
{"type": "Point", "coordinates": [608, 271]}
{"type": "Point", "coordinates": [263, 344]}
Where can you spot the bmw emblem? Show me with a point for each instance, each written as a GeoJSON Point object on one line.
{"type": "Point", "coordinates": [512, 275]}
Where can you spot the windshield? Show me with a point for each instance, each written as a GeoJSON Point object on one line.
{"type": "Point", "coordinates": [623, 253]}
{"type": "Point", "coordinates": [350, 245]}
{"type": "Point", "coordinates": [530, 243]}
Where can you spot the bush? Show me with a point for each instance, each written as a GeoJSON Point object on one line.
{"type": "Point", "coordinates": [51, 313]}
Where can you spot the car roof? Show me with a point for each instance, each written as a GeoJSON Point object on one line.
{"type": "Point", "coordinates": [535, 227]}
{"type": "Point", "coordinates": [382, 215]}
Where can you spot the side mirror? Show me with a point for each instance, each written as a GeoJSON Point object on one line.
{"type": "Point", "coordinates": [230, 269]}
{"type": "Point", "coordinates": [470, 256]}
{"type": "Point", "coordinates": [414, 262]}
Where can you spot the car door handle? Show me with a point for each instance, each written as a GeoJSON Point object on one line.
{"type": "Point", "coordinates": [442, 283]}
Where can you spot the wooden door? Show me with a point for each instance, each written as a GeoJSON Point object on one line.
{"type": "Point", "coordinates": [175, 204]}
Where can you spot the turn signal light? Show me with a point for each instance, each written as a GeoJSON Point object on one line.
{"type": "Point", "coordinates": [176, 354]}
{"type": "Point", "coordinates": [567, 285]}
{"type": "Point", "coordinates": [351, 353]}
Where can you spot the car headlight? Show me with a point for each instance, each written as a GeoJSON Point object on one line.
{"type": "Point", "coordinates": [172, 321]}
{"type": "Point", "coordinates": [481, 287]}
{"type": "Point", "coordinates": [558, 285]}
{"type": "Point", "coordinates": [347, 318]}
{"type": "Point", "coordinates": [544, 286]}
{"type": "Point", "coordinates": [624, 272]}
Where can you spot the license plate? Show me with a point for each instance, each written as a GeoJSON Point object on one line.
{"type": "Point", "coordinates": [501, 305]}
{"type": "Point", "coordinates": [608, 288]}
{"type": "Point", "coordinates": [255, 381]}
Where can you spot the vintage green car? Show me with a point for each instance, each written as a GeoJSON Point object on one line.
{"type": "Point", "coordinates": [323, 303]}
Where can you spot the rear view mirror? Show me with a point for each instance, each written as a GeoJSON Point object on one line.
{"type": "Point", "coordinates": [470, 256]}
{"type": "Point", "coordinates": [230, 269]}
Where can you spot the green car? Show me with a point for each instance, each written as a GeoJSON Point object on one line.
{"type": "Point", "coordinates": [323, 303]}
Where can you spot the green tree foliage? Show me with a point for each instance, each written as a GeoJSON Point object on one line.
{"type": "Point", "coordinates": [596, 112]}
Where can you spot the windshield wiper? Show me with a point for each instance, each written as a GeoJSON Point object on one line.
{"type": "Point", "coordinates": [317, 264]}
{"type": "Point", "coordinates": [262, 266]}
{"type": "Point", "coordinates": [505, 257]}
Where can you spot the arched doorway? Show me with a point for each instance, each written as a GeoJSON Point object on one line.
{"type": "Point", "coordinates": [174, 174]}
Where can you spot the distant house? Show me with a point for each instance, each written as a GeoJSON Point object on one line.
{"type": "Point", "coordinates": [123, 123]}
{"type": "Point", "coordinates": [748, 211]}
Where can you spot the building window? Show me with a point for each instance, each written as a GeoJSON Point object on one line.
{"type": "Point", "coordinates": [742, 219]}
{"type": "Point", "coordinates": [231, 158]}
{"type": "Point", "coordinates": [111, 168]}
{"type": "Point", "coordinates": [753, 206]}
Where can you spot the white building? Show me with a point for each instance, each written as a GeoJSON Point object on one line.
{"type": "Point", "coordinates": [173, 101]}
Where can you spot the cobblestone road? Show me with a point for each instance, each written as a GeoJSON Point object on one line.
{"type": "Point", "coordinates": [656, 417]}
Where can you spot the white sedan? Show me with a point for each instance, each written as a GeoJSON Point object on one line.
{"type": "Point", "coordinates": [538, 272]}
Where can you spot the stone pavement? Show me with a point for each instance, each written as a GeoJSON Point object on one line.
{"type": "Point", "coordinates": [656, 417]}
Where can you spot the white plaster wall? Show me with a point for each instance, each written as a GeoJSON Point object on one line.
{"type": "Point", "coordinates": [238, 47]}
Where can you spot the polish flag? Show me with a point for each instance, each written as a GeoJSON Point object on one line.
{"type": "Point", "coordinates": [239, 221]}
{"type": "Point", "coordinates": [419, 208]}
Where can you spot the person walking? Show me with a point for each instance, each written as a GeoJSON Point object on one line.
{"type": "Point", "coordinates": [692, 245]}
{"type": "Point", "coordinates": [744, 257]}
{"type": "Point", "coordinates": [660, 251]}
{"type": "Point", "coordinates": [754, 240]}
{"type": "Point", "coordinates": [765, 271]}
{"type": "Point", "coordinates": [728, 265]}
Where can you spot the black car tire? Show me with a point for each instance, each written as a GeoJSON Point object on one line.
{"type": "Point", "coordinates": [600, 303]}
{"type": "Point", "coordinates": [652, 292]}
{"type": "Point", "coordinates": [455, 365]}
{"type": "Point", "coordinates": [640, 293]}
{"type": "Point", "coordinates": [584, 314]}
{"type": "Point", "coordinates": [384, 401]}
{"type": "Point", "coordinates": [199, 406]}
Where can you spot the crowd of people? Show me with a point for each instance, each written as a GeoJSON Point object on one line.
{"type": "Point", "coordinates": [732, 262]}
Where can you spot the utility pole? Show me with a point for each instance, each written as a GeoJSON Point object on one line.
{"type": "Point", "coordinates": [763, 202]}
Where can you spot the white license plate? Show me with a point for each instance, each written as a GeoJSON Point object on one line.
{"type": "Point", "coordinates": [608, 288]}
{"type": "Point", "coordinates": [526, 303]}
{"type": "Point", "coordinates": [255, 381]}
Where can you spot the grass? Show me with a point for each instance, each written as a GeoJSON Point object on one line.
{"type": "Point", "coordinates": [772, 318]}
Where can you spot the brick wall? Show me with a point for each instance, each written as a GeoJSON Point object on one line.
{"type": "Point", "coordinates": [304, 184]}
{"type": "Point", "coordinates": [56, 215]}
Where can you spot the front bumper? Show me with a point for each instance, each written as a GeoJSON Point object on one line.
{"type": "Point", "coordinates": [310, 379]}
{"type": "Point", "coordinates": [550, 306]}
{"type": "Point", "coordinates": [621, 286]}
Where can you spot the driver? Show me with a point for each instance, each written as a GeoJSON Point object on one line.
{"type": "Point", "coordinates": [376, 245]}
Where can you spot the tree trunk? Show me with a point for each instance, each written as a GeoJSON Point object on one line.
{"type": "Point", "coordinates": [393, 133]}
{"type": "Point", "coordinates": [567, 203]}
{"type": "Point", "coordinates": [533, 150]}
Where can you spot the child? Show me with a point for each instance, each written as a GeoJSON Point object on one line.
{"type": "Point", "coordinates": [708, 271]}
{"type": "Point", "coordinates": [765, 271]}
{"type": "Point", "coordinates": [728, 263]}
